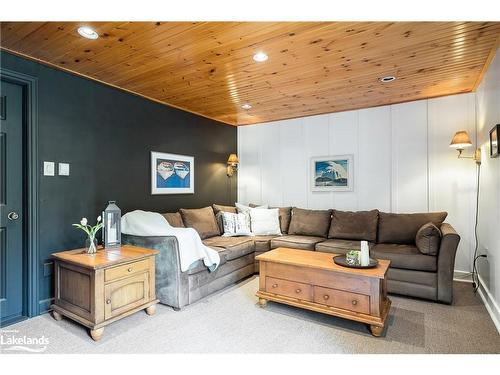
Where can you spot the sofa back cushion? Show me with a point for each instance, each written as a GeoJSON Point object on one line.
{"type": "Point", "coordinates": [402, 228]}
{"type": "Point", "coordinates": [202, 220]}
{"type": "Point", "coordinates": [174, 219]}
{"type": "Point", "coordinates": [428, 239]}
{"type": "Point", "coordinates": [285, 217]}
{"type": "Point", "coordinates": [310, 222]}
{"type": "Point", "coordinates": [360, 225]}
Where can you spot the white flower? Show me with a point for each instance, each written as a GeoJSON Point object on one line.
{"type": "Point", "coordinates": [83, 221]}
{"type": "Point", "coordinates": [99, 218]}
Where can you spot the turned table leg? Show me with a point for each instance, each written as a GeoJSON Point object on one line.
{"type": "Point", "coordinates": [151, 310]}
{"type": "Point", "coordinates": [96, 334]}
{"type": "Point", "coordinates": [56, 315]}
{"type": "Point", "coordinates": [376, 330]}
{"type": "Point", "coordinates": [262, 302]}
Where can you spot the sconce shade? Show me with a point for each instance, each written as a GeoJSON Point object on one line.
{"type": "Point", "coordinates": [460, 140]}
{"type": "Point", "coordinates": [233, 159]}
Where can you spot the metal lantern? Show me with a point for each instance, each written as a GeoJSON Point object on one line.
{"type": "Point", "coordinates": [111, 233]}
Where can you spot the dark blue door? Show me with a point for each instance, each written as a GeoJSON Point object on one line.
{"type": "Point", "coordinates": [12, 247]}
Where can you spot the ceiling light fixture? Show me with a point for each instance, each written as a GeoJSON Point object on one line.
{"type": "Point", "coordinates": [260, 57]}
{"type": "Point", "coordinates": [246, 106]}
{"type": "Point", "coordinates": [87, 32]}
{"type": "Point", "coordinates": [387, 79]}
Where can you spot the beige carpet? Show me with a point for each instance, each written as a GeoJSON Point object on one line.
{"type": "Point", "coordinates": [231, 322]}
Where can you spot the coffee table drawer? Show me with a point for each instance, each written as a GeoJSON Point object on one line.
{"type": "Point", "coordinates": [344, 300]}
{"type": "Point", "coordinates": [289, 288]}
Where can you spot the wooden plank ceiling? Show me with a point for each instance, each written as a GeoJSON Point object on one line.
{"type": "Point", "coordinates": [313, 67]}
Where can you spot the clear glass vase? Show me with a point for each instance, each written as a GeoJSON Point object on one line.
{"type": "Point", "coordinates": [91, 245]}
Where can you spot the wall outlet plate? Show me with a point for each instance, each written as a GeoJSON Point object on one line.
{"type": "Point", "coordinates": [63, 169]}
{"type": "Point", "coordinates": [48, 168]}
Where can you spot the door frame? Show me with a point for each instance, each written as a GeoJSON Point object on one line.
{"type": "Point", "coordinates": [30, 91]}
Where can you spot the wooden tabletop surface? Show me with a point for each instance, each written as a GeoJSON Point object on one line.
{"type": "Point", "coordinates": [316, 259]}
{"type": "Point", "coordinates": [104, 258]}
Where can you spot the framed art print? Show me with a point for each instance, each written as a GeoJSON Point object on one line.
{"type": "Point", "coordinates": [332, 173]}
{"type": "Point", "coordinates": [171, 173]}
{"type": "Point", "coordinates": [494, 141]}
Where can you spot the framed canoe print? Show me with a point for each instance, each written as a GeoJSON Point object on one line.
{"type": "Point", "coordinates": [171, 173]}
{"type": "Point", "coordinates": [332, 173]}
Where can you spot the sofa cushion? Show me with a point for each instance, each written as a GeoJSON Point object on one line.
{"type": "Point", "coordinates": [296, 242]}
{"type": "Point", "coordinates": [174, 219]}
{"type": "Point", "coordinates": [402, 228]}
{"type": "Point", "coordinates": [310, 222]}
{"type": "Point", "coordinates": [404, 256]}
{"type": "Point", "coordinates": [202, 220]}
{"type": "Point", "coordinates": [337, 246]}
{"type": "Point", "coordinates": [349, 225]}
{"type": "Point", "coordinates": [428, 239]}
{"type": "Point", "coordinates": [199, 266]}
{"type": "Point", "coordinates": [235, 246]}
{"type": "Point", "coordinates": [262, 243]}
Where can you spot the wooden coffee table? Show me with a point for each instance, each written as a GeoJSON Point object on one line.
{"type": "Point", "coordinates": [311, 280]}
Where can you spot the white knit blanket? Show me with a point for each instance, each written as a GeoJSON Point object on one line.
{"type": "Point", "coordinates": [191, 249]}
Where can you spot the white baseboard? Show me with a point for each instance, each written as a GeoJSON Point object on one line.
{"type": "Point", "coordinates": [489, 302]}
{"type": "Point", "coordinates": [462, 276]}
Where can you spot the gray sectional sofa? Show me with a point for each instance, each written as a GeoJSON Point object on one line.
{"type": "Point", "coordinates": [423, 269]}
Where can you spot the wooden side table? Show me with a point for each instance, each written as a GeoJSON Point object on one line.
{"type": "Point", "coordinates": [98, 289]}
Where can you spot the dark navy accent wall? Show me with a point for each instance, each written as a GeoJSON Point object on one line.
{"type": "Point", "coordinates": [106, 135]}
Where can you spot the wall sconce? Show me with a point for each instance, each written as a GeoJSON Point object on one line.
{"type": "Point", "coordinates": [461, 141]}
{"type": "Point", "coordinates": [232, 165]}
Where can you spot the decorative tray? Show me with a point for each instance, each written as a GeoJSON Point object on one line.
{"type": "Point", "coordinates": [341, 261]}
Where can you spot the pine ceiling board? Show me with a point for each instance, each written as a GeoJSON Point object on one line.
{"type": "Point", "coordinates": [313, 67]}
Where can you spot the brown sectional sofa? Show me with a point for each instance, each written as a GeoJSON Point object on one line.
{"type": "Point", "coordinates": [390, 236]}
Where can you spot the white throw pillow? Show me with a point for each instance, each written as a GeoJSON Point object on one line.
{"type": "Point", "coordinates": [265, 222]}
{"type": "Point", "coordinates": [246, 209]}
{"type": "Point", "coordinates": [236, 224]}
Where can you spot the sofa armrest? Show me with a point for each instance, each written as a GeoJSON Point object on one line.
{"type": "Point", "coordinates": [446, 263]}
{"type": "Point", "coordinates": [172, 285]}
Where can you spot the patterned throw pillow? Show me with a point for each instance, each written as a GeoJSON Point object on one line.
{"type": "Point", "coordinates": [235, 224]}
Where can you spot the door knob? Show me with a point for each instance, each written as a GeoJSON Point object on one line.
{"type": "Point", "coordinates": [13, 215]}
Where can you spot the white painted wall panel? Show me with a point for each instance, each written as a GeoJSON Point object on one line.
{"type": "Point", "coordinates": [409, 157]}
{"type": "Point", "coordinates": [293, 163]}
{"type": "Point", "coordinates": [374, 159]}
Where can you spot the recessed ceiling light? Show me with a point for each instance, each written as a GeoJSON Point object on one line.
{"type": "Point", "coordinates": [387, 79]}
{"type": "Point", "coordinates": [260, 57]}
{"type": "Point", "coordinates": [87, 32]}
{"type": "Point", "coordinates": [246, 106]}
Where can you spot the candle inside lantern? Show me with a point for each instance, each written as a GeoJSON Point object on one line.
{"type": "Point", "coordinates": [365, 253]}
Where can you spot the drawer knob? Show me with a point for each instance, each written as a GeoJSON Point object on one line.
{"type": "Point", "coordinates": [130, 269]}
{"type": "Point", "coordinates": [275, 285]}
{"type": "Point", "coordinates": [298, 290]}
{"type": "Point", "coordinates": [354, 302]}
{"type": "Point", "coordinates": [326, 296]}
{"type": "Point", "coordinates": [108, 301]}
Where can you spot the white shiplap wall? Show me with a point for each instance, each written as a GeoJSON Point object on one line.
{"type": "Point", "coordinates": [402, 161]}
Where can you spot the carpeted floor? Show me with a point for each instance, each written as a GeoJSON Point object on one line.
{"type": "Point", "coordinates": [232, 322]}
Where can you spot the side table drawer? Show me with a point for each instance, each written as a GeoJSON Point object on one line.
{"type": "Point", "coordinates": [126, 294]}
{"type": "Point", "coordinates": [341, 299]}
{"type": "Point", "coordinates": [289, 288]}
{"type": "Point", "coordinates": [126, 270]}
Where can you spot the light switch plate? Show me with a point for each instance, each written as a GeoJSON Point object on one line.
{"type": "Point", "coordinates": [63, 169]}
{"type": "Point", "coordinates": [48, 168]}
